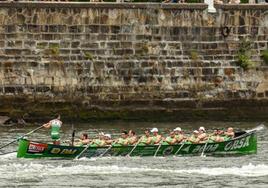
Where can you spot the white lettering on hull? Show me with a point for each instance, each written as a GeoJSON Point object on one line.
{"type": "Point", "coordinates": [237, 144]}
{"type": "Point", "coordinates": [209, 148]}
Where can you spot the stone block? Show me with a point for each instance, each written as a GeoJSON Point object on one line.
{"type": "Point", "coordinates": [75, 44]}
{"type": "Point", "coordinates": [260, 95]}
{"type": "Point", "coordinates": [113, 45]}
{"type": "Point", "coordinates": [2, 44]}
{"type": "Point", "coordinates": [104, 29]}
{"type": "Point", "coordinates": [92, 29]}
{"type": "Point", "coordinates": [207, 71]}
{"type": "Point", "coordinates": [115, 29]}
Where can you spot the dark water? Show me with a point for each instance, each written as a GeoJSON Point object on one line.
{"type": "Point", "coordinates": [242, 171]}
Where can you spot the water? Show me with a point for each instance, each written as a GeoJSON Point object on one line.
{"type": "Point", "coordinates": [242, 171]}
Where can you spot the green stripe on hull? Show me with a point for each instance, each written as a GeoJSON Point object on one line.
{"type": "Point", "coordinates": [245, 144]}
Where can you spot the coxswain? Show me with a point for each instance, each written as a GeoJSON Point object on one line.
{"type": "Point", "coordinates": [55, 126]}
{"type": "Point", "coordinates": [156, 138]}
{"type": "Point", "coordinates": [146, 139]}
{"type": "Point", "coordinates": [170, 140]}
{"type": "Point", "coordinates": [123, 140]}
{"type": "Point", "coordinates": [179, 135]}
{"type": "Point", "coordinates": [132, 137]}
{"type": "Point", "coordinates": [202, 134]}
{"type": "Point", "coordinates": [229, 134]}
{"type": "Point", "coordinates": [194, 138]}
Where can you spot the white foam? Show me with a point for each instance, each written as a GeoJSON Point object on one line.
{"type": "Point", "coordinates": [11, 155]}
{"type": "Point", "coordinates": [39, 170]}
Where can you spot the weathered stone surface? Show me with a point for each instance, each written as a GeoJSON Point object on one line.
{"type": "Point", "coordinates": [130, 54]}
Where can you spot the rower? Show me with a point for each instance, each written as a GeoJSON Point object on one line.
{"type": "Point", "coordinates": [170, 140]}
{"type": "Point", "coordinates": [108, 139]}
{"type": "Point", "coordinates": [229, 134]}
{"type": "Point", "coordinates": [156, 138]}
{"type": "Point", "coordinates": [55, 126]}
{"type": "Point", "coordinates": [194, 138]}
{"type": "Point", "coordinates": [84, 140]}
{"type": "Point", "coordinates": [178, 134]}
{"type": "Point", "coordinates": [216, 136]}
{"type": "Point", "coordinates": [145, 139]}
{"type": "Point", "coordinates": [123, 141]}
{"type": "Point", "coordinates": [99, 141]}
{"type": "Point", "coordinates": [132, 137]}
{"type": "Point", "coordinates": [202, 134]}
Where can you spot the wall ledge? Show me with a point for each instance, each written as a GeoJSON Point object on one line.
{"type": "Point", "coordinates": [242, 6]}
{"type": "Point", "coordinates": [184, 6]}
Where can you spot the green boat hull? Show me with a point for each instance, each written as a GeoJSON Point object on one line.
{"type": "Point", "coordinates": [244, 144]}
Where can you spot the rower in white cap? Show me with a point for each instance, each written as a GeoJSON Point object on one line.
{"type": "Point", "coordinates": [179, 134]}
{"type": "Point", "coordinates": [156, 138]}
{"type": "Point", "coordinates": [202, 134]}
{"type": "Point", "coordinates": [194, 138]}
{"type": "Point", "coordinates": [108, 139]}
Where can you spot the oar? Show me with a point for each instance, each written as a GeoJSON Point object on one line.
{"type": "Point", "coordinates": [179, 149]}
{"type": "Point", "coordinates": [83, 151]}
{"type": "Point", "coordinates": [258, 128]}
{"type": "Point", "coordinates": [157, 150]}
{"type": "Point", "coordinates": [202, 154]}
{"type": "Point", "coordinates": [105, 151]}
{"type": "Point", "coordinates": [128, 155]}
{"type": "Point", "coordinates": [21, 137]}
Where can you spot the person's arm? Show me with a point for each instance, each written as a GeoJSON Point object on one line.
{"type": "Point", "coordinates": [149, 140]}
{"type": "Point", "coordinates": [180, 139]}
{"type": "Point", "coordinates": [87, 141]}
{"type": "Point", "coordinates": [159, 138]}
{"type": "Point", "coordinates": [229, 134]}
{"type": "Point", "coordinates": [109, 142]}
{"type": "Point", "coordinates": [174, 140]}
{"type": "Point", "coordinates": [47, 125]}
{"type": "Point", "coordinates": [126, 142]}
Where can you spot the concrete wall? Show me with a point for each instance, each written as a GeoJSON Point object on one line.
{"type": "Point", "coordinates": [131, 61]}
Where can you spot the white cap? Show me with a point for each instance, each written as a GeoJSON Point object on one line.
{"type": "Point", "coordinates": [202, 129]}
{"type": "Point", "coordinates": [108, 135]}
{"type": "Point", "coordinates": [177, 129]}
{"type": "Point", "coordinates": [154, 130]}
{"type": "Point", "coordinates": [196, 131]}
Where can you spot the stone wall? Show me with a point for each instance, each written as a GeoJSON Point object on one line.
{"type": "Point", "coordinates": [131, 61]}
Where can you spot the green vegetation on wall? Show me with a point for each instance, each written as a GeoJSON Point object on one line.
{"type": "Point", "coordinates": [264, 56]}
{"type": "Point", "coordinates": [244, 55]}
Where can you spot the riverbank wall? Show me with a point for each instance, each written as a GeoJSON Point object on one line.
{"type": "Point", "coordinates": [133, 61]}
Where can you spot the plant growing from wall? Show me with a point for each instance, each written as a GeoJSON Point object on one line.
{"type": "Point", "coordinates": [264, 56]}
{"type": "Point", "coordinates": [145, 48]}
{"type": "Point", "coordinates": [244, 53]}
{"type": "Point", "coordinates": [88, 56]}
{"type": "Point", "coordinates": [194, 55]}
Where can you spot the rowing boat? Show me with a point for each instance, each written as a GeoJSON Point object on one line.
{"type": "Point", "coordinates": [245, 143]}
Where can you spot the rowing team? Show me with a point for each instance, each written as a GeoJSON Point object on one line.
{"type": "Point", "coordinates": [175, 137]}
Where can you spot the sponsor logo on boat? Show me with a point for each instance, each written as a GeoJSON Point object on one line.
{"type": "Point", "coordinates": [209, 148]}
{"type": "Point", "coordinates": [168, 150]}
{"type": "Point", "coordinates": [63, 151]}
{"type": "Point", "coordinates": [237, 144]}
{"type": "Point", "coordinates": [36, 147]}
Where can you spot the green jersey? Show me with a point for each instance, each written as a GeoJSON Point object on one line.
{"type": "Point", "coordinates": [55, 129]}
